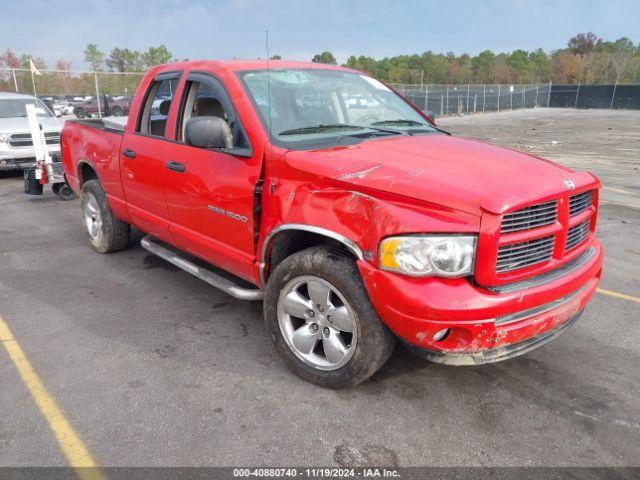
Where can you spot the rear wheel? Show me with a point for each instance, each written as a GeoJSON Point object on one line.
{"type": "Point", "coordinates": [321, 320]}
{"type": "Point", "coordinates": [107, 233]}
{"type": "Point", "coordinates": [80, 113]}
{"type": "Point", "coordinates": [117, 111]}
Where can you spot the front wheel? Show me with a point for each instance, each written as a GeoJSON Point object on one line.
{"type": "Point", "coordinates": [321, 320]}
{"type": "Point", "coordinates": [107, 233]}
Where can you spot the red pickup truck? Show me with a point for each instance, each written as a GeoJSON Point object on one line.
{"type": "Point", "coordinates": [324, 193]}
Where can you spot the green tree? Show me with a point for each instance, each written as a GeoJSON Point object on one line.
{"type": "Point", "coordinates": [156, 56]}
{"type": "Point", "coordinates": [364, 64]}
{"type": "Point", "coordinates": [483, 66]}
{"type": "Point", "coordinates": [325, 57]}
{"type": "Point", "coordinates": [37, 61]}
{"type": "Point", "coordinates": [276, 57]}
{"type": "Point", "coordinates": [624, 60]}
{"type": "Point", "coordinates": [93, 56]}
{"type": "Point", "coordinates": [540, 66]}
{"type": "Point", "coordinates": [519, 62]}
{"type": "Point", "coordinates": [436, 68]}
{"type": "Point", "coordinates": [124, 60]}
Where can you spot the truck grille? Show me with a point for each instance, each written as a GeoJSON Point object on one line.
{"type": "Point", "coordinates": [535, 239]}
{"type": "Point", "coordinates": [580, 202]}
{"type": "Point", "coordinates": [530, 217]}
{"type": "Point", "coordinates": [24, 139]}
{"type": "Point", "coordinates": [523, 254]}
{"type": "Point", "coordinates": [577, 234]}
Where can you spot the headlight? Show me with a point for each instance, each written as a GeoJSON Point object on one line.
{"type": "Point", "coordinates": [422, 255]}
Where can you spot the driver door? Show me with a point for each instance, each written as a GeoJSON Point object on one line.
{"type": "Point", "coordinates": [210, 195]}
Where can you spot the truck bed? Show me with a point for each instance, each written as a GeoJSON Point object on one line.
{"type": "Point", "coordinates": [111, 124]}
{"type": "Point", "coordinates": [91, 147]}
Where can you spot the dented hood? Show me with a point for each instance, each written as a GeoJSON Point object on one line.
{"type": "Point", "coordinates": [466, 175]}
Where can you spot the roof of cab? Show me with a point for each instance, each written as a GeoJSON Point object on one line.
{"type": "Point", "coordinates": [240, 65]}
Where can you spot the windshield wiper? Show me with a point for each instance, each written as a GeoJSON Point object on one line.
{"type": "Point", "coordinates": [410, 123]}
{"type": "Point", "coordinates": [401, 121]}
{"type": "Point", "coordinates": [319, 128]}
{"type": "Point", "coordinates": [332, 126]}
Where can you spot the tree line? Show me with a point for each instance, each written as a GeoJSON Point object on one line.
{"type": "Point", "coordinates": [118, 60]}
{"type": "Point", "coordinates": [587, 58]}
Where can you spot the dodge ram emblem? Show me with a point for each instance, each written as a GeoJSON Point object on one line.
{"type": "Point", "coordinates": [570, 184]}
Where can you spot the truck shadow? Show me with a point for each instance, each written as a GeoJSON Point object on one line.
{"type": "Point", "coordinates": [402, 361]}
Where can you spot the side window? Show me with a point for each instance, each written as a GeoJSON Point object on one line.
{"type": "Point", "coordinates": [205, 97]}
{"type": "Point", "coordinates": [153, 118]}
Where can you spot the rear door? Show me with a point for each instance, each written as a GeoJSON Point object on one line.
{"type": "Point", "coordinates": [143, 157]}
{"type": "Point", "coordinates": [210, 195]}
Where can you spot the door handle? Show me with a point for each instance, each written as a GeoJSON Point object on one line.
{"type": "Point", "coordinates": [129, 153]}
{"type": "Point", "coordinates": [176, 166]}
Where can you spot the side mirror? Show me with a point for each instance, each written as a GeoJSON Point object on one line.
{"type": "Point", "coordinates": [208, 132]}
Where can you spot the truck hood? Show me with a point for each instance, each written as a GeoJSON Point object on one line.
{"type": "Point", "coordinates": [21, 125]}
{"type": "Point", "coordinates": [465, 175]}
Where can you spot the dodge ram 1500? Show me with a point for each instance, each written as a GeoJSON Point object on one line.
{"type": "Point", "coordinates": [331, 198]}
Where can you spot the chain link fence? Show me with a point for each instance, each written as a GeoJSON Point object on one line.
{"type": "Point", "coordinates": [443, 100]}
{"type": "Point", "coordinates": [66, 83]}
{"type": "Point", "coordinates": [72, 87]}
{"type": "Point", "coordinates": [440, 100]}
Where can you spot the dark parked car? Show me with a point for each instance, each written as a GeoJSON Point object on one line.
{"type": "Point", "coordinates": [116, 106]}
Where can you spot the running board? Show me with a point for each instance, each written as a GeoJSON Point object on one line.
{"type": "Point", "coordinates": [213, 279]}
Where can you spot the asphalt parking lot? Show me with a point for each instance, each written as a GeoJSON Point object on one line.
{"type": "Point", "coordinates": [152, 367]}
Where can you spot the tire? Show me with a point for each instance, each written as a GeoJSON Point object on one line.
{"type": "Point", "coordinates": [107, 233]}
{"type": "Point", "coordinates": [368, 345]}
{"type": "Point", "coordinates": [80, 113]}
{"type": "Point", "coordinates": [64, 191]}
{"type": "Point", "coordinates": [117, 111]}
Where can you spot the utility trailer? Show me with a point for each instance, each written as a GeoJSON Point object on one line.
{"type": "Point", "coordinates": [48, 168]}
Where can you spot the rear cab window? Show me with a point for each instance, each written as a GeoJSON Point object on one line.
{"type": "Point", "coordinates": [157, 104]}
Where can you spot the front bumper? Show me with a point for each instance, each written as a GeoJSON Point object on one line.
{"type": "Point", "coordinates": [21, 158]}
{"type": "Point", "coordinates": [497, 354]}
{"type": "Point", "coordinates": [484, 326]}
{"type": "Point", "coordinates": [16, 163]}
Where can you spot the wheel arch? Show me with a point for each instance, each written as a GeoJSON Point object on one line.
{"type": "Point", "coordinates": [287, 239]}
{"type": "Point", "coordinates": [86, 172]}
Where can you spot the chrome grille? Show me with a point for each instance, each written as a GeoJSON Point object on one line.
{"type": "Point", "coordinates": [24, 139]}
{"type": "Point", "coordinates": [520, 255]}
{"type": "Point", "coordinates": [577, 234]}
{"type": "Point", "coordinates": [530, 217]}
{"type": "Point", "coordinates": [580, 202]}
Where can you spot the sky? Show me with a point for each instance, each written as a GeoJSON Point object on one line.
{"type": "Point", "coordinates": [228, 29]}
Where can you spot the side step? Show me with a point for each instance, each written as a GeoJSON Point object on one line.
{"type": "Point", "coordinates": [227, 286]}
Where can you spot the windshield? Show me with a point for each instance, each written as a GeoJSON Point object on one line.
{"type": "Point", "coordinates": [315, 107]}
{"type": "Point", "coordinates": [16, 108]}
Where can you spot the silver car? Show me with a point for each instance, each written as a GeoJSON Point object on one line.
{"type": "Point", "coordinates": [16, 146]}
